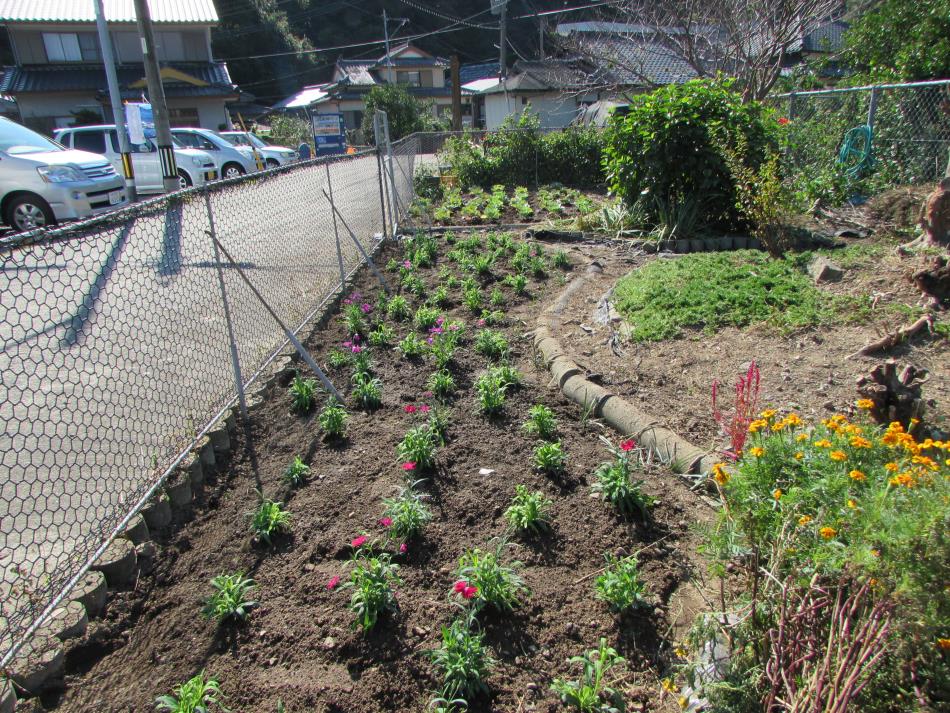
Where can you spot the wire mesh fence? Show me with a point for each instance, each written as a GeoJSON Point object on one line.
{"type": "Point", "coordinates": [116, 351]}
{"type": "Point", "coordinates": [907, 139]}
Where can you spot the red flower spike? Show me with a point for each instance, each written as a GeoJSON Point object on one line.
{"type": "Point", "coordinates": [460, 586]}
{"type": "Point", "coordinates": [358, 541]}
{"type": "Point", "coordinates": [469, 592]}
{"type": "Point", "coordinates": [628, 445]}
{"type": "Point", "coordinates": [331, 585]}
{"type": "Point", "coordinates": [409, 466]}
{"type": "Point", "coordinates": [385, 521]}
{"type": "Point", "coordinates": [409, 408]}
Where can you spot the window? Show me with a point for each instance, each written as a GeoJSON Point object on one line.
{"type": "Point", "coordinates": [194, 141]}
{"type": "Point", "coordinates": [71, 47]}
{"type": "Point", "coordinates": [412, 79]}
{"type": "Point", "coordinates": [185, 116]}
{"type": "Point", "coordinates": [93, 141]}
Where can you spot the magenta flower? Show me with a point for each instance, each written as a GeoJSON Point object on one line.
{"type": "Point", "coordinates": [427, 394]}
{"type": "Point", "coordinates": [356, 338]}
{"type": "Point", "coordinates": [469, 592]}
{"type": "Point", "coordinates": [385, 521]}
{"type": "Point", "coordinates": [347, 301]}
{"type": "Point", "coordinates": [409, 466]}
{"type": "Point", "coordinates": [331, 585]}
{"type": "Point", "coordinates": [409, 408]}
{"type": "Point", "coordinates": [480, 323]}
{"type": "Point", "coordinates": [356, 296]}
{"type": "Point", "coordinates": [366, 307]}
{"type": "Point", "coordinates": [424, 408]}
{"type": "Point", "coordinates": [628, 445]}
{"type": "Point", "coordinates": [435, 330]}
{"type": "Point", "coordinates": [403, 548]}
{"type": "Point", "coordinates": [347, 344]}
{"type": "Point", "coordinates": [440, 320]}
{"type": "Point", "coordinates": [453, 328]}
{"type": "Point", "coordinates": [356, 349]}
{"type": "Point", "coordinates": [358, 541]}
{"type": "Point", "coordinates": [460, 586]}
{"type": "Point", "coordinates": [406, 264]}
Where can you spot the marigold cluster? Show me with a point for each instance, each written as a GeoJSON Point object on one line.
{"type": "Point", "coordinates": [719, 473]}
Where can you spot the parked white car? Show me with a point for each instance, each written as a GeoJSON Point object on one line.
{"type": "Point", "coordinates": [195, 168]}
{"type": "Point", "coordinates": [273, 155]}
{"type": "Point", "coordinates": [230, 161]}
{"type": "Point", "coordinates": [42, 183]}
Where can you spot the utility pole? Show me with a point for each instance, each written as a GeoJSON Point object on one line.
{"type": "Point", "coordinates": [386, 36]}
{"type": "Point", "coordinates": [156, 95]}
{"type": "Point", "coordinates": [503, 59]}
{"type": "Point", "coordinates": [456, 94]}
{"type": "Point", "coordinates": [541, 38]}
{"type": "Point", "coordinates": [118, 115]}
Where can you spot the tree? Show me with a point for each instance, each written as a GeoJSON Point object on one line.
{"type": "Point", "coordinates": [406, 113]}
{"type": "Point", "coordinates": [901, 40]}
{"type": "Point", "coordinates": [745, 39]}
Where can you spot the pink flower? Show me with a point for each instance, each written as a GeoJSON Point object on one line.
{"type": "Point", "coordinates": [424, 408]}
{"type": "Point", "coordinates": [406, 264]}
{"type": "Point", "coordinates": [355, 296]}
{"type": "Point", "coordinates": [628, 445]}
{"type": "Point", "coordinates": [356, 338]}
{"type": "Point", "coordinates": [403, 548]}
{"type": "Point", "coordinates": [440, 320]}
{"type": "Point", "coordinates": [385, 521]}
{"type": "Point", "coordinates": [480, 323]}
{"type": "Point", "coordinates": [460, 586]}
{"type": "Point", "coordinates": [409, 408]}
{"type": "Point", "coordinates": [454, 328]}
{"type": "Point", "coordinates": [347, 344]}
{"type": "Point", "coordinates": [366, 307]}
{"type": "Point", "coordinates": [358, 541]}
{"type": "Point", "coordinates": [427, 394]}
{"type": "Point", "coordinates": [409, 466]}
{"type": "Point", "coordinates": [356, 349]}
{"type": "Point", "coordinates": [435, 330]}
{"type": "Point", "coordinates": [347, 301]}
{"type": "Point", "coordinates": [331, 585]}
{"type": "Point", "coordinates": [469, 592]}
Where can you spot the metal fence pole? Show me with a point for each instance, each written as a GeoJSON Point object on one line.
{"type": "Point", "coordinates": [369, 260]}
{"type": "Point", "coordinates": [381, 181]}
{"type": "Point", "coordinates": [392, 173]}
{"type": "Point", "coordinates": [872, 107]}
{"type": "Point", "coordinates": [380, 138]}
{"type": "Point", "coordinates": [336, 230]}
{"type": "Point", "coordinates": [232, 343]}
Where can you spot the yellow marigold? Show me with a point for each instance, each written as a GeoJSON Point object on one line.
{"type": "Point", "coordinates": [892, 467]}
{"type": "Point", "coordinates": [838, 455]}
{"type": "Point", "coordinates": [804, 520]}
{"type": "Point", "coordinates": [873, 581]}
{"type": "Point", "coordinates": [777, 493]}
{"type": "Point", "coordinates": [890, 438]}
{"type": "Point", "coordinates": [864, 403]}
{"type": "Point", "coordinates": [925, 461]}
{"type": "Point", "coordinates": [801, 437]}
{"type": "Point", "coordinates": [757, 425]}
{"type": "Point", "coordinates": [793, 419]}
{"type": "Point", "coordinates": [756, 451]}
{"type": "Point", "coordinates": [683, 702]}
{"type": "Point", "coordinates": [719, 473]}
{"type": "Point", "coordinates": [839, 418]}
{"type": "Point", "coordinates": [827, 532]}
{"type": "Point", "coordinates": [895, 426]}
{"type": "Point", "coordinates": [875, 553]}
{"type": "Point", "coordinates": [669, 686]}
{"type": "Point", "coordinates": [914, 422]}
{"type": "Point", "coordinates": [905, 479]}
{"type": "Point", "coordinates": [778, 426]}
{"type": "Point", "coordinates": [799, 455]}
{"type": "Point", "coordinates": [768, 413]}
{"type": "Point", "coordinates": [859, 442]}
{"type": "Point", "coordinates": [943, 644]}
{"type": "Point", "coordinates": [852, 504]}
{"type": "Point", "coordinates": [857, 475]}
{"type": "Point", "coordinates": [823, 443]}
{"type": "Point", "coordinates": [832, 426]}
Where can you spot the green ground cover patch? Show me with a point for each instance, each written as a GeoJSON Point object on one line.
{"type": "Point", "coordinates": [710, 291]}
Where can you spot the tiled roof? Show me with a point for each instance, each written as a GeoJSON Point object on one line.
{"type": "Point", "coordinates": [53, 78]}
{"type": "Point", "coordinates": [184, 11]}
{"type": "Point", "coordinates": [472, 72]}
{"type": "Point", "coordinates": [827, 37]}
{"type": "Point", "coordinates": [631, 61]}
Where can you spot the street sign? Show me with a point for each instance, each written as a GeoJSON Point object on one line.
{"type": "Point", "coordinates": [329, 136]}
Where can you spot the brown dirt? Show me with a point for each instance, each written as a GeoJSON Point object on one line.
{"type": "Point", "coordinates": [298, 645]}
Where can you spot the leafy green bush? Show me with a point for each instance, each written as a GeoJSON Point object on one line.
{"type": "Point", "coordinates": [663, 152]}
{"type": "Point", "coordinates": [406, 114]}
{"type": "Point", "coordinates": [593, 692]}
{"type": "Point", "coordinates": [196, 695]}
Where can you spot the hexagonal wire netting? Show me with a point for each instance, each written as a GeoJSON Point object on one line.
{"type": "Point", "coordinates": [116, 355]}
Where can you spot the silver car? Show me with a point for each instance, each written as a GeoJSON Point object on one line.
{"type": "Point", "coordinates": [42, 182]}
{"type": "Point", "coordinates": [230, 161]}
{"type": "Point", "coordinates": [273, 155]}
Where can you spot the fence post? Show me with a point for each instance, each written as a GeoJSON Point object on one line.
{"type": "Point", "coordinates": [336, 230]}
{"type": "Point", "coordinates": [872, 107]}
{"type": "Point", "coordinates": [381, 181]}
{"type": "Point", "coordinates": [791, 105]}
{"type": "Point", "coordinates": [392, 173]}
{"type": "Point", "coordinates": [235, 359]}
{"type": "Point", "coordinates": [381, 143]}
{"type": "Point", "coordinates": [356, 241]}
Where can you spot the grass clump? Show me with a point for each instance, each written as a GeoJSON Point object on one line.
{"type": "Point", "coordinates": [529, 512]}
{"type": "Point", "coordinates": [592, 692]}
{"type": "Point", "coordinates": [229, 598]}
{"type": "Point", "coordinates": [196, 695]}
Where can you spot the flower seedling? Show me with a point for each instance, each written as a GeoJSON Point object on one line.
{"type": "Point", "coordinates": [539, 268]}
{"type": "Point", "coordinates": [296, 473]}
{"type": "Point", "coordinates": [333, 419]}
{"type": "Point", "coordinates": [441, 384]}
{"type": "Point", "coordinates": [229, 598]}
{"type": "Point", "coordinates": [196, 695]}
{"type": "Point", "coordinates": [491, 344]}
{"type": "Point", "coordinates": [354, 319]}
{"type": "Point", "coordinates": [497, 298]}
{"type": "Point", "coordinates": [561, 261]}
{"type": "Point", "coordinates": [491, 393]}
{"type": "Point", "coordinates": [407, 514]}
{"type": "Point", "coordinates": [519, 283]}
{"type": "Point", "coordinates": [482, 264]}
{"type": "Point", "coordinates": [508, 374]}
{"type": "Point", "coordinates": [398, 309]}
{"type": "Point", "coordinates": [592, 693]}
{"type": "Point", "coordinates": [463, 661]}
{"type": "Point", "coordinates": [413, 285]}
{"type": "Point", "coordinates": [619, 585]}
{"type": "Point", "coordinates": [440, 298]}
{"type": "Point", "coordinates": [367, 391]}
{"type": "Point", "coordinates": [550, 458]}
{"type": "Point", "coordinates": [541, 423]}
{"type": "Point", "coordinates": [269, 520]}
{"type": "Point", "coordinates": [411, 346]}
{"type": "Point", "coordinates": [528, 511]}
{"type": "Point", "coordinates": [382, 336]}
{"type": "Point", "coordinates": [425, 318]}
{"type": "Point", "coordinates": [472, 297]}
{"type": "Point", "coordinates": [616, 487]}
{"type": "Point", "coordinates": [303, 394]}
{"type": "Point", "coordinates": [418, 446]}
{"type": "Point", "coordinates": [496, 585]}
{"type": "Point", "coordinates": [373, 580]}
{"type": "Point", "coordinates": [362, 366]}
{"type": "Point", "coordinates": [337, 359]}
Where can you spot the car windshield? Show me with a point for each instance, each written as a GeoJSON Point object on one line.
{"type": "Point", "coordinates": [16, 139]}
{"type": "Point", "coordinates": [245, 139]}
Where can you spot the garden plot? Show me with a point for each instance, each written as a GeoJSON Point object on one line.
{"type": "Point", "coordinates": [507, 205]}
{"type": "Point", "coordinates": [456, 529]}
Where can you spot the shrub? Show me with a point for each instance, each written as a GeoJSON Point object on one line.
{"type": "Point", "coordinates": [663, 152]}
{"type": "Point", "coordinates": [372, 579]}
{"type": "Point", "coordinates": [229, 598]}
{"type": "Point", "coordinates": [592, 693]}
{"type": "Point", "coordinates": [196, 695]}
{"type": "Point", "coordinates": [528, 511]}
{"type": "Point", "coordinates": [619, 585]}
{"type": "Point", "coordinates": [405, 113]}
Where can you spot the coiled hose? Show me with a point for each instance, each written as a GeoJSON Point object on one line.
{"type": "Point", "coordinates": [857, 152]}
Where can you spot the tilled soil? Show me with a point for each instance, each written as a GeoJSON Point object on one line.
{"type": "Point", "coordinates": [298, 645]}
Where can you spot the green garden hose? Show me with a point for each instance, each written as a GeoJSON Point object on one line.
{"type": "Point", "coordinates": [857, 153]}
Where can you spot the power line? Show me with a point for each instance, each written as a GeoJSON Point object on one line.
{"type": "Point", "coordinates": [443, 16]}
{"type": "Point", "coordinates": [532, 15]}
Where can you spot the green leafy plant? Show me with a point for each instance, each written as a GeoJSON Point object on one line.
{"type": "Point", "coordinates": [418, 446]}
{"type": "Point", "coordinates": [490, 389]}
{"type": "Point", "coordinates": [483, 264]}
{"type": "Point", "coordinates": [614, 484]}
{"type": "Point", "coordinates": [196, 695]}
{"type": "Point", "coordinates": [495, 584]}
{"type": "Point", "coordinates": [491, 344]}
{"type": "Point", "coordinates": [372, 579]}
{"type": "Point", "coordinates": [472, 298]}
{"type": "Point", "coordinates": [464, 662]}
{"type": "Point", "coordinates": [269, 520]}
{"type": "Point", "coordinates": [619, 584]}
{"type": "Point", "coordinates": [337, 359]}
{"type": "Point", "coordinates": [333, 419]}
{"type": "Point", "coordinates": [229, 598]}
{"type": "Point", "coordinates": [519, 283]}
{"type": "Point", "coordinates": [497, 298]}
{"type": "Point", "coordinates": [591, 693]}
{"type": "Point", "coordinates": [296, 473]}
{"type": "Point", "coordinates": [507, 374]}
{"type": "Point", "coordinates": [406, 513]}
{"type": "Point", "coordinates": [442, 384]}
{"type": "Point", "coordinates": [382, 336]}
{"type": "Point", "coordinates": [550, 458]}
{"type": "Point", "coordinates": [303, 394]}
{"type": "Point", "coordinates": [528, 511]}
{"type": "Point", "coordinates": [354, 320]}
{"type": "Point", "coordinates": [398, 308]}
{"type": "Point", "coordinates": [440, 298]}
{"type": "Point", "coordinates": [561, 261]}
{"type": "Point", "coordinates": [367, 391]}
{"type": "Point", "coordinates": [439, 423]}
{"type": "Point", "coordinates": [519, 201]}
{"type": "Point", "coordinates": [425, 318]}
{"type": "Point", "coordinates": [411, 346]}
{"type": "Point", "coordinates": [541, 423]}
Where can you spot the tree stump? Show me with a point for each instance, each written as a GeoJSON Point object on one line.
{"type": "Point", "coordinates": [895, 391]}
{"type": "Point", "coordinates": [934, 281]}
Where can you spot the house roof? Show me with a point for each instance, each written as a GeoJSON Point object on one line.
{"type": "Point", "coordinates": [177, 11]}
{"type": "Point", "coordinates": [472, 72]}
{"type": "Point", "coordinates": [208, 79]}
{"type": "Point", "coordinates": [361, 71]}
{"type": "Point", "coordinates": [826, 37]}
{"type": "Point", "coordinates": [305, 97]}
{"type": "Point", "coordinates": [545, 76]}
{"type": "Point", "coordinates": [631, 61]}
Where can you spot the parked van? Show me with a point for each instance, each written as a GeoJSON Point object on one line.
{"type": "Point", "coordinates": [195, 168]}
{"type": "Point", "coordinates": [231, 161]}
{"type": "Point", "coordinates": [42, 183]}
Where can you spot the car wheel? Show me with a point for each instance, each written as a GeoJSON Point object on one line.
{"type": "Point", "coordinates": [184, 180]}
{"type": "Point", "coordinates": [232, 170]}
{"type": "Point", "coordinates": [272, 163]}
{"type": "Point", "coordinates": [28, 212]}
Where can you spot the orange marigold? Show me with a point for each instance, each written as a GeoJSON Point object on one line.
{"type": "Point", "coordinates": [838, 455]}
{"type": "Point", "coordinates": [852, 504]}
{"type": "Point", "coordinates": [864, 403]}
{"type": "Point", "coordinates": [905, 479]}
{"type": "Point", "coordinates": [827, 532]}
{"type": "Point", "coordinates": [777, 493]}
{"type": "Point", "coordinates": [799, 455]}
{"type": "Point", "coordinates": [801, 437]}
{"type": "Point", "coordinates": [719, 473]}
{"type": "Point", "coordinates": [804, 520]}
{"type": "Point", "coordinates": [859, 442]}
{"type": "Point", "coordinates": [857, 475]}
{"type": "Point", "coordinates": [892, 467]}
{"type": "Point", "coordinates": [943, 644]}
{"type": "Point", "coordinates": [823, 443]}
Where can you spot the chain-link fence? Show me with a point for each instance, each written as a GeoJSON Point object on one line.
{"type": "Point", "coordinates": [116, 349]}
{"type": "Point", "coordinates": [885, 135]}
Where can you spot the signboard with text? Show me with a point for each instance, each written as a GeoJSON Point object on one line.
{"type": "Point", "coordinates": [329, 136]}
